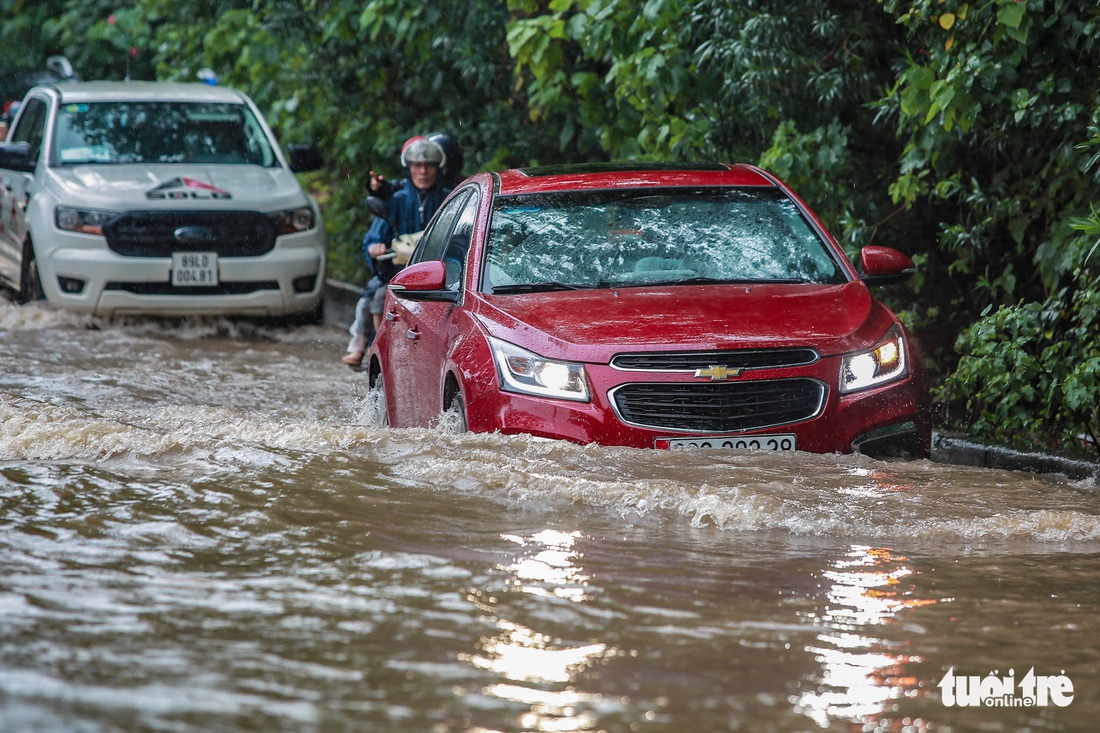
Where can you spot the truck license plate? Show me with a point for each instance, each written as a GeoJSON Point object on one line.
{"type": "Point", "coordinates": [194, 269]}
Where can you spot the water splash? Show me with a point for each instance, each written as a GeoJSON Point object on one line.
{"type": "Point", "coordinates": [805, 494]}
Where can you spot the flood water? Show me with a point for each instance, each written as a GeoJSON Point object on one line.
{"type": "Point", "coordinates": [201, 529]}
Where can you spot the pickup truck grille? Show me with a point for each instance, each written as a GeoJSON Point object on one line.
{"type": "Point", "coordinates": [154, 233]}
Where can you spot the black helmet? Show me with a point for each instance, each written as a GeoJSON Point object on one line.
{"type": "Point", "coordinates": [451, 170]}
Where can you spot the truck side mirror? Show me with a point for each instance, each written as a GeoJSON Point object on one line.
{"type": "Point", "coordinates": [304, 157]}
{"type": "Point", "coordinates": [17, 157]}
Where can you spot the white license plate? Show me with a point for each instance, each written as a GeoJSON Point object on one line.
{"type": "Point", "coordinates": [194, 269]}
{"type": "Point", "coordinates": [770, 442]}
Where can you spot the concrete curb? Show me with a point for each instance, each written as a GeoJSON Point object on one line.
{"type": "Point", "coordinates": [966, 452]}
{"type": "Point", "coordinates": [341, 297]}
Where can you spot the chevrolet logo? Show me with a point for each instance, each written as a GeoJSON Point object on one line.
{"type": "Point", "coordinates": [717, 372]}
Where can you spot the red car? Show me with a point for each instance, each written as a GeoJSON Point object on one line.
{"type": "Point", "coordinates": [653, 306]}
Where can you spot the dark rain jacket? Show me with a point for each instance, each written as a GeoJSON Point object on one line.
{"type": "Point", "coordinates": [410, 211]}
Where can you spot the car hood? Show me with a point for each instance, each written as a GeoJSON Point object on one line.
{"type": "Point", "coordinates": [593, 325]}
{"type": "Point", "coordinates": [123, 187]}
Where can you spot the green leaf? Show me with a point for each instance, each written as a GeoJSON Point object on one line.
{"type": "Point", "coordinates": [1011, 15]}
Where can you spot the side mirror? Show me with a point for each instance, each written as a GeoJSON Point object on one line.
{"type": "Point", "coordinates": [885, 266]}
{"type": "Point", "coordinates": [423, 281]}
{"type": "Point", "coordinates": [378, 207]}
{"type": "Point", "coordinates": [304, 157]}
{"type": "Point", "coordinates": [17, 157]}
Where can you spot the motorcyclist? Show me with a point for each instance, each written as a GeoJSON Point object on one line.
{"type": "Point", "coordinates": [411, 207]}
{"type": "Point", "coordinates": [450, 171]}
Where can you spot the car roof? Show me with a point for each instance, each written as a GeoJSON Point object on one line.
{"type": "Point", "coordinates": [577, 176]}
{"type": "Point", "coordinates": [143, 91]}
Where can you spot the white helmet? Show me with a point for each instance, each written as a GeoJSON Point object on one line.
{"type": "Point", "coordinates": [423, 151]}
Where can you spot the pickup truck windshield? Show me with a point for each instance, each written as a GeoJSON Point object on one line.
{"type": "Point", "coordinates": [160, 132]}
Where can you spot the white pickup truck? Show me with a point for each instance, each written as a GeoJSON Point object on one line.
{"type": "Point", "coordinates": [158, 199]}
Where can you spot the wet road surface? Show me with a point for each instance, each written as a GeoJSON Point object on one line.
{"type": "Point", "coordinates": [204, 529]}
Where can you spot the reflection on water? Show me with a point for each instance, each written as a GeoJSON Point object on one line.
{"type": "Point", "coordinates": [860, 672]}
{"type": "Point", "coordinates": [538, 668]}
{"type": "Point", "coordinates": [203, 530]}
{"type": "Point", "coordinates": [549, 565]}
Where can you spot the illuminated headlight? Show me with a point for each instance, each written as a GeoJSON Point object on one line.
{"type": "Point", "coordinates": [82, 220]}
{"type": "Point", "coordinates": [523, 371]}
{"type": "Point", "coordinates": [884, 363]}
{"type": "Point", "coordinates": [292, 221]}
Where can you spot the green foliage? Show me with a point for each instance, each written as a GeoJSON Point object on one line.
{"type": "Point", "coordinates": [1030, 373]}
{"type": "Point", "coordinates": [104, 40]}
{"type": "Point", "coordinates": [991, 108]}
{"type": "Point", "coordinates": [22, 42]}
{"type": "Point", "coordinates": [614, 78]}
{"type": "Point", "coordinates": [990, 101]}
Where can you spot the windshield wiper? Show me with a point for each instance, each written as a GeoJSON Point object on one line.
{"type": "Point", "coordinates": [697, 280]}
{"type": "Point", "coordinates": [540, 287]}
{"type": "Point", "coordinates": [701, 280]}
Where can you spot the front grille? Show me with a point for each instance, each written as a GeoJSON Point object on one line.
{"type": "Point", "coordinates": [225, 288]}
{"type": "Point", "coordinates": [153, 233]}
{"type": "Point", "coordinates": [718, 407]}
{"type": "Point", "coordinates": [689, 361]}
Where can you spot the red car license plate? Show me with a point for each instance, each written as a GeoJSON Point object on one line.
{"type": "Point", "coordinates": [770, 442]}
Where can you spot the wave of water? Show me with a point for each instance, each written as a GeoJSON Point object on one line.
{"type": "Point", "coordinates": [265, 397]}
{"type": "Point", "coordinates": [804, 494]}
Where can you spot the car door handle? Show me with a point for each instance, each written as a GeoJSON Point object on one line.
{"type": "Point", "coordinates": [391, 315]}
{"type": "Point", "coordinates": [412, 334]}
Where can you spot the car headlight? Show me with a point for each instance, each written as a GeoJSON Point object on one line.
{"type": "Point", "coordinates": [85, 221]}
{"type": "Point", "coordinates": [292, 221]}
{"type": "Point", "coordinates": [882, 364]}
{"type": "Point", "coordinates": [526, 372]}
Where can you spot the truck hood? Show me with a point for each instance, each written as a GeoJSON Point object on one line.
{"type": "Point", "coordinates": [128, 187]}
{"type": "Point", "coordinates": [593, 325]}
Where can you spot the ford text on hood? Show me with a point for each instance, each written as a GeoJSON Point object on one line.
{"type": "Point", "coordinates": [664, 306]}
{"type": "Point", "coordinates": [163, 199]}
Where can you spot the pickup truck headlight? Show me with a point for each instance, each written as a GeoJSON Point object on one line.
{"type": "Point", "coordinates": [85, 221]}
{"type": "Point", "coordinates": [880, 365]}
{"type": "Point", "coordinates": [528, 373]}
{"type": "Point", "coordinates": [293, 221]}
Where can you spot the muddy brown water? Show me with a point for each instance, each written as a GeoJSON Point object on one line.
{"type": "Point", "coordinates": [203, 529]}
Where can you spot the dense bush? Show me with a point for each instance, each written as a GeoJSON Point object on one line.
{"type": "Point", "coordinates": [1030, 372]}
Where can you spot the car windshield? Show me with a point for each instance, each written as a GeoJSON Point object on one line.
{"type": "Point", "coordinates": [160, 132]}
{"type": "Point", "coordinates": [640, 237]}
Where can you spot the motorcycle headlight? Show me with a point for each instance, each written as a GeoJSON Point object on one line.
{"type": "Point", "coordinates": [85, 221]}
{"type": "Point", "coordinates": [528, 373]}
{"type": "Point", "coordinates": [877, 366]}
{"type": "Point", "coordinates": [292, 221]}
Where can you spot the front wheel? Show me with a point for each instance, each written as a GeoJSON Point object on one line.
{"type": "Point", "coordinates": [30, 284]}
{"type": "Point", "coordinates": [453, 419]}
{"type": "Point", "coordinates": [376, 409]}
